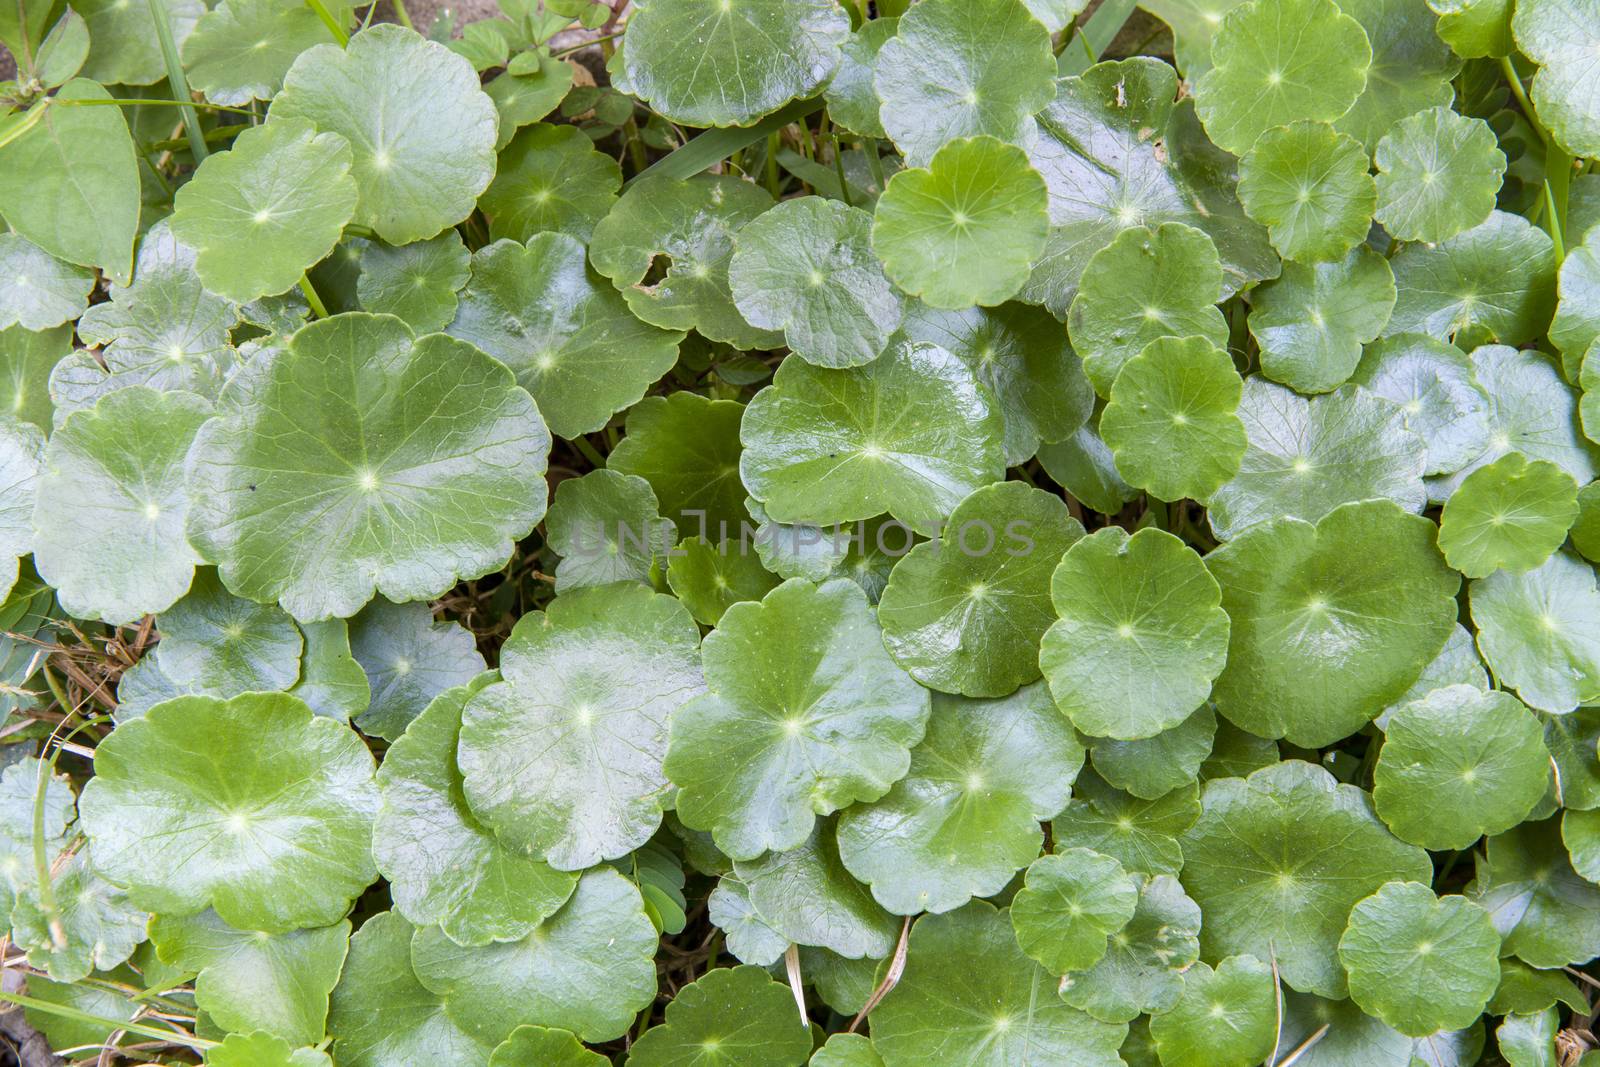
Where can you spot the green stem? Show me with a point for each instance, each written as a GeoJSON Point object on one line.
{"type": "Point", "coordinates": [838, 165]}
{"type": "Point", "coordinates": [318, 308]}
{"type": "Point", "coordinates": [333, 24]}
{"type": "Point", "coordinates": [1553, 210]}
{"type": "Point", "coordinates": [402, 14]}
{"type": "Point", "coordinates": [146, 102]}
{"type": "Point", "coordinates": [352, 229]}
{"type": "Point", "coordinates": [772, 164]}
{"type": "Point", "coordinates": [1509, 69]}
{"type": "Point", "coordinates": [874, 162]}
{"type": "Point", "coordinates": [581, 45]}
{"type": "Point", "coordinates": [590, 453]}
{"type": "Point", "coordinates": [175, 1037]}
{"type": "Point", "coordinates": [176, 80]}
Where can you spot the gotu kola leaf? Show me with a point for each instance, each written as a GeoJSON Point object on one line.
{"type": "Point", "coordinates": [1141, 970]}
{"type": "Point", "coordinates": [261, 213]}
{"type": "Point", "coordinates": [316, 493]}
{"type": "Point", "coordinates": [793, 681]}
{"type": "Point", "coordinates": [566, 334]}
{"type": "Point", "coordinates": [1538, 632]}
{"type": "Point", "coordinates": [966, 816]}
{"type": "Point", "coordinates": [1308, 184]}
{"type": "Point", "coordinates": [418, 282]}
{"type": "Point", "coordinates": [562, 759]}
{"type": "Point", "coordinates": [963, 613]}
{"type": "Point", "coordinates": [1070, 903]}
{"type": "Point", "coordinates": [1278, 859]}
{"type": "Point", "coordinates": [1562, 36]}
{"type": "Point", "coordinates": [1512, 513]}
{"type": "Point", "coordinates": [965, 230]}
{"type": "Point", "coordinates": [1223, 1018]}
{"type": "Point", "coordinates": [733, 1015]}
{"type": "Point", "coordinates": [1312, 321]}
{"type": "Point", "coordinates": [409, 659]}
{"type": "Point", "coordinates": [1438, 173]}
{"type": "Point", "coordinates": [1330, 622]}
{"type": "Point", "coordinates": [218, 787]}
{"type": "Point", "coordinates": [911, 433]}
{"type": "Point", "coordinates": [421, 131]}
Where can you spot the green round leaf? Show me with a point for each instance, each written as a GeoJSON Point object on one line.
{"type": "Point", "coordinates": [852, 95]}
{"type": "Point", "coordinates": [215, 787]}
{"type": "Point", "coordinates": [1435, 386]}
{"type": "Point", "coordinates": [1532, 411]}
{"type": "Point", "coordinates": [164, 331]}
{"type": "Point", "coordinates": [1144, 285]}
{"type": "Point", "coordinates": [1172, 423]}
{"type": "Point", "coordinates": [1116, 152]}
{"type": "Point", "coordinates": [1562, 36]}
{"type": "Point", "coordinates": [444, 866]}
{"type": "Point", "coordinates": [847, 1050]}
{"type": "Point", "coordinates": [1365, 585]}
{"type": "Point", "coordinates": [710, 579]}
{"type": "Point", "coordinates": [965, 818]}
{"type": "Point", "coordinates": [550, 178]}
{"type": "Point", "coordinates": [1458, 764]}
{"type": "Point", "coordinates": [597, 948]}
{"type": "Point", "coordinates": [1511, 513]}
{"type": "Point", "coordinates": [241, 49]}
{"type": "Point", "coordinates": [768, 53]}
{"type": "Point", "coordinates": [249, 980]}
{"type": "Point", "coordinates": [1224, 1018]}
{"type": "Point", "coordinates": [523, 96]}
{"type": "Point", "coordinates": [37, 290]}
{"type": "Point", "coordinates": [1021, 353]}
{"type": "Point", "coordinates": [1143, 964]}
{"type": "Point", "coordinates": [1070, 903]}
{"type": "Point", "coordinates": [567, 335]}
{"type": "Point", "coordinates": [1308, 184]}
{"type": "Point", "coordinates": [993, 1006]}
{"type": "Point", "coordinates": [690, 226]}
{"type": "Point", "coordinates": [1276, 61]}
{"type": "Point", "coordinates": [1278, 859]}
{"type": "Point", "coordinates": [1540, 632]}
{"type": "Point", "coordinates": [562, 759]}
{"type": "Point", "coordinates": [409, 659]}
{"type": "Point", "coordinates": [110, 505]}
{"type": "Point", "coordinates": [1576, 325]}
{"type": "Point", "coordinates": [1499, 277]}
{"type": "Point", "coordinates": [381, 1016]}
{"type": "Point", "coordinates": [417, 282]}
{"type": "Point", "coordinates": [99, 928]}
{"type": "Point", "coordinates": [967, 229]}
{"type": "Point", "coordinates": [606, 528]}
{"type": "Point", "coordinates": [911, 433]}
{"type": "Point", "coordinates": [964, 613]}
{"type": "Point", "coordinates": [749, 936]}
{"type": "Point", "coordinates": [1475, 28]}
{"type": "Point", "coordinates": [545, 1047]}
{"type": "Point", "coordinates": [1151, 767]}
{"type": "Point", "coordinates": [427, 481]}
{"type": "Point", "coordinates": [1307, 457]}
{"type": "Point", "coordinates": [1142, 835]}
{"type": "Point", "coordinates": [687, 448]}
{"type": "Point", "coordinates": [805, 714]}
{"type": "Point", "coordinates": [961, 68]}
{"type": "Point", "coordinates": [733, 1015]}
{"type": "Point", "coordinates": [1438, 173]}
{"type": "Point", "coordinates": [213, 640]}
{"type": "Point", "coordinates": [1421, 963]}
{"type": "Point", "coordinates": [1580, 832]}
{"type": "Point", "coordinates": [421, 130]}
{"type": "Point", "coordinates": [1140, 635]}
{"type": "Point", "coordinates": [1547, 914]}
{"type": "Point", "coordinates": [1411, 67]}
{"type": "Point", "coordinates": [806, 268]}
{"type": "Point", "coordinates": [808, 898]}
{"type": "Point", "coordinates": [1312, 321]}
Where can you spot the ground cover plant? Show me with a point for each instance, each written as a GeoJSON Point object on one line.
{"type": "Point", "coordinates": [778, 532]}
